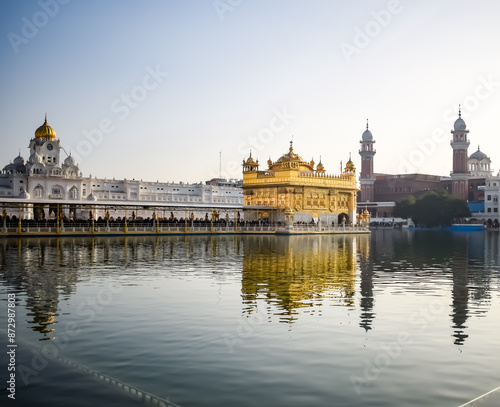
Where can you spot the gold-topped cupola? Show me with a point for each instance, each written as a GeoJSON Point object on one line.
{"type": "Point", "coordinates": [45, 131]}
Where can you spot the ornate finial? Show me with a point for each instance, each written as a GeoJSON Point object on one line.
{"type": "Point", "coordinates": [459, 111]}
{"type": "Point", "coordinates": [45, 118]}
{"type": "Point", "coordinates": [349, 156]}
{"type": "Point", "coordinates": [366, 124]}
{"type": "Point", "coordinates": [250, 153]}
{"type": "Point", "coordinates": [291, 145]}
{"type": "Point", "coordinates": [319, 158]}
{"type": "Point", "coordinates": [477, 148]}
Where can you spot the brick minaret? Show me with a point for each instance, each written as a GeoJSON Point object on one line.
{"type": "Point", "coordinates": [367, 177]}
{"type": "Point", "coordinates": [460, 174]}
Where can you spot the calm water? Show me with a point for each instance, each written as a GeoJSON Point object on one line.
{"type": "Point", "coordinates": [393, 319]}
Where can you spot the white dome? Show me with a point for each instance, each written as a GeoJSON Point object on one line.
{"type": "Point", "coordinates": [91, 197]}
{"type": "Point", "coordinates": [367, 134]}
{"type": "Point", "coordinates": [69, 161]}
{"type": "Point", "coordinates": [24, 195]}
{"type": "Point", "coordinates": [459, 124]}
{"type": "Point", "coordinates": [9, 167]}
{"type": "Point", "coordinates": [35, 158]}
{"type": "Point", "coordinates": [478, 155]}
{"type": "Point", "coordinates": [19, 160]}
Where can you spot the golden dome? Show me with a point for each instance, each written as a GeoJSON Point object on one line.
{"type": "Point", "coordinates": [250, 160]}
{"type": "Point", "coordinates": [349, 166]}
{"type": "Point", "coordinates": [291, 160]}
{"type": "Point", "coordinates": [290, 156]}
{"type": "Point", "coordinates": [45, 131]}
{"type": "Point", "coordinates": [320, 167]}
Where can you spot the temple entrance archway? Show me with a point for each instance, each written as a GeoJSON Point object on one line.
{"type": "Point", "coordinates": [343, 218]}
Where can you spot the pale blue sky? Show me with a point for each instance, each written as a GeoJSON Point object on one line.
{"type": "Point", "coordinates": [263, 70]}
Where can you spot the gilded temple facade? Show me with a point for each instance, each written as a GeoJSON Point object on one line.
{"type": "Point", "coordinates": [293, 190]}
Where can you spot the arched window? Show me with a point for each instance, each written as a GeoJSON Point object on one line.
{"type": "Point", "coordinates": [38, 191]}
{"type": "Point", "coordinates": [73, 193]}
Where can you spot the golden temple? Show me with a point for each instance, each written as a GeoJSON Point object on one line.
{"type": "Point", "coordinates": [293, 190]}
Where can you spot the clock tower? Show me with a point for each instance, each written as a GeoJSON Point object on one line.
{"type": "Point", "coordinates": [45, 149]}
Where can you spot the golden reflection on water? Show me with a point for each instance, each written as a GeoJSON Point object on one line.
{"type": "Point", "coordinates": [286, 275]}
{"type": "Point", "coordinates": [293, 272]}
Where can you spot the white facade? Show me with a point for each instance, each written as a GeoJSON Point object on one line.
{"type": "Point", "coordinates": [491, 194]}
{"type": "Point", "coordinates": [479, 164]}
{"type": "Point", "coordinates": [47, 179]}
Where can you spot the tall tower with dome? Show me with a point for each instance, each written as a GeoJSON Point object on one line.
{"type": "Point", "coordinates": [460, 174]}
{"type": "Point", "coordinates": [367, 177]}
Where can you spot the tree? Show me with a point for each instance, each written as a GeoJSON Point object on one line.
{"type": "Point", "coordinates": [403, 208]}
{"type": "Point", "coordinates": [432, 209]}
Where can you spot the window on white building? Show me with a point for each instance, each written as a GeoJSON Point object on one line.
{"type": "Point", "coordinates": [38, 192]}
{"type": "Point", "coordinates": [73, 193]}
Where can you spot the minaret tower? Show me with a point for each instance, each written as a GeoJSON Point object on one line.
{"type": "Point", "coordinates": [367, 177]}
{"type": "Point", "coordinates": [460, 174]}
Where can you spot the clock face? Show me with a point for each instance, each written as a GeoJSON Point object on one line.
{"type": "Point", "coordinates": [50, 147]}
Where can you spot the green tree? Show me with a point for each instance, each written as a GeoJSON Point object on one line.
{"type": "Point", "coordinates": [432, 209]}
{"type": "Point", "coordinates": [403, 208]}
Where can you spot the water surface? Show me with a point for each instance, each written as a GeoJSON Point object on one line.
{"type": "Point", "coordinates": [394, 319]}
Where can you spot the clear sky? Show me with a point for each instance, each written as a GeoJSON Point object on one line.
{"type": "Point", "coordinates": [154, 89]}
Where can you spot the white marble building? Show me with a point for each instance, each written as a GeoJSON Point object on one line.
{"type": "Point", "coordinates": [46, 179]}
{"type": "Point", "coordinates": [479, 164]}
{"type": "Point", "coordinates": [491, 194]}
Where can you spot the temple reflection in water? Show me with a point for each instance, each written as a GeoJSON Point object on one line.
{"type": "Point", "coordinates": [44, 270]}
{"type": "Point", "coordinates": [294, 272]}
{"type": "Point", "coordinates": [286, 275]}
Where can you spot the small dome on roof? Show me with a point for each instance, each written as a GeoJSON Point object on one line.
{"type": "Point", "coordinates": [250, 159]}
{"type": "Point", "coordinates": [35, 158]}
{"type": "Point", "coordinates": [320, 167]}
{"type": "Point", "coordinates": [70, 160]}
{"type": "Point", "coordinates": [459, 124]}
{"type": "Point", "coordinates": [290, 156]}
{"type": "Point", "coordinates": [19, 160]}
{"type": "Point", "coordinates": [478, 155]}
{"type": "Point", "coordinates": [24, 195]}
{"type": "Point", "coordinates": [367, 134]}
{"type": "Point", "coordinates": [9, 167]}
{"type": "Point", "coordinates": [349, 166]}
